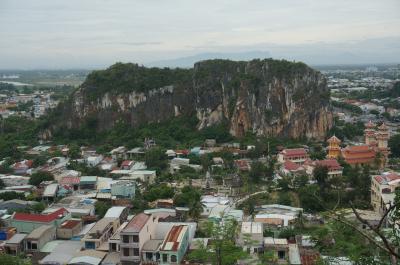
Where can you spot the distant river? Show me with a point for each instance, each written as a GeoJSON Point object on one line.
{"type": "Point", "coordinates": [15, 83]}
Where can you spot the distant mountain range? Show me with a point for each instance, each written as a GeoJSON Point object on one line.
{"type": "Point", "coordinates": [186, 62]}
{"type": "Point", "coordinates": [362, 52]}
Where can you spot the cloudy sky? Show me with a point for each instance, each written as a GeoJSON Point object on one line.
{"type": "Point", "coordinates": [96, 33]}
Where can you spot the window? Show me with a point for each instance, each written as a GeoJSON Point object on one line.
{"type": "Point", "coordinates": [126, 252]}
{"type": "Point", "coordinates": [135, 238]}
{"type": "Point", "coordinates": [165, 257]}
{"type": "Point", "coordinates": [173, 258]}
{"type": "Point", "coordinates": [135, 252]}
{"type": "Point", "coordinates": [113, 247]}
{"type": "Point", "coordinates": [34, 245]}
{"type": "Point", "coordinates": [149, 256]}
{"type": "Point", "coordinates": [281, 254]}
{"type": "Point", "coordinates": [90, 245]}
{"type": "Point", "coordinates": [28, 245]}
{"type": "Point", "coordinates": [125, 239]}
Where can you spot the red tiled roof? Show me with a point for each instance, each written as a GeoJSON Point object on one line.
{"type": "Point", "coordinates": [331, 164]}
{"type": "Point", "coordinates": [69, 180]}
{"type": "Point", "coordinates": [137, 223]}
{"type": "Point", "coordinates": [387, 178]}
{"type": "Point", "coordinates": [357, 148]}
{"type": "Point", "coordinates": [295, 152]}
{"type": "Point", "coordinates": [42, 218]}
{"type": "Point", "coordinates": [291, 166]}
{"type": "Point", "coordinates": [358, 154]}
{"type": "Point", "coordinates": [379, 179]}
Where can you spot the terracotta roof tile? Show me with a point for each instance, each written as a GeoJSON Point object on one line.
{"type": "Point", "coordinates": [295, 152]}
{"type": "Point", "coordinates": [291, 166]}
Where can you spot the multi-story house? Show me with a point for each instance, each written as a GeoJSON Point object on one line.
{"type": "Point", "coordinates": [133, 237]}
{"type": "Point", "coordinates": [174, 245]}
{"type": "Point", "coordinates": [383, 189]}
{"type": "Point", "coordinates": [101, 232]}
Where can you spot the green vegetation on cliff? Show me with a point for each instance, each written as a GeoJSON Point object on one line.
{"type": "Point", "coordinates": [129, 77]}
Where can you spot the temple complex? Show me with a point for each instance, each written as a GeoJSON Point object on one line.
{"type": "Point", "coordinates": [375, 150]}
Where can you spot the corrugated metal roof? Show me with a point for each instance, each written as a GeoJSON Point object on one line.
{"type": "Point", "coordinates": [137, 223]}
{"type": "Point", "coordinates": [43, 218]}
{"type": "Point", "coordinates": [38, 232]}
{"type": "Point", "coordinates": [50, 190]}
{"type": "Point", "coordinates": [115, 211]}
{"type": "Point", "coordinates": [16, 239]}
{"type": "Point", "coordinates": [88, 179]}
{"type": "Point", "coordinates": [174, 238]}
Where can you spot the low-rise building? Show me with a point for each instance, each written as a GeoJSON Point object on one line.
{"type": "Point", "coordinates": [123, 189]}
{"type": "Point", "coordinates": [16, 204]}
{"type": "Point", "coordinates": [174, 245]}
{"type": "Point", "coordinates": [27, 222]}
{"type": "Point", "coordinates": [251, 237]}
{"type": "Point", "coordinates": [15, 245]}
{"type": "Point", "coordinates": [333, 166]}
{"type": "Point", "coordinates": [296, 155]}
{"type": "Point", "coordinates": [69, 229]}
{"type": "Point", "coordinates": [39, 237]}
{"type": "Point", "coordinates": [22, 167]}
{"type": "Point", "coordinates": [88, 183]}
{"type": "Point", "coordinates": [93, 160]}
{"type": "Point", "coordinates": [284, 252]}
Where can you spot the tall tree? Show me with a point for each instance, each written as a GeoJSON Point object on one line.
{"type": "Point", "coordinates": [321, 176]}
{"type": "Point", "coordinates": [222, 249]}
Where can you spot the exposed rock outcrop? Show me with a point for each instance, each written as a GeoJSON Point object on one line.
{"type": "Point", "coordinates": [267, 97]}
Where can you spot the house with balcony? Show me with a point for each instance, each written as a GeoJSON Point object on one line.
{"type": "Point", "coordinates": [100, 233]}
{"type": "Point", "coordinates": [133, 237]}
{"type": "Point", "coordinates": [296, 155]}
{"type": "Point", "coordinates": [383, 190]}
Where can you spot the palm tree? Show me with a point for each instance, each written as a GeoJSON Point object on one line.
{"type": "Point", "coordinates": [195, 209]}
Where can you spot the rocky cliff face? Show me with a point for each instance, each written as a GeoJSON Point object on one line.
{"type": "Point", "coordinates": [267, 97]}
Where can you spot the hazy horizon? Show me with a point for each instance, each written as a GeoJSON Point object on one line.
{"type": "Point", "coordinates": [91, 34]}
